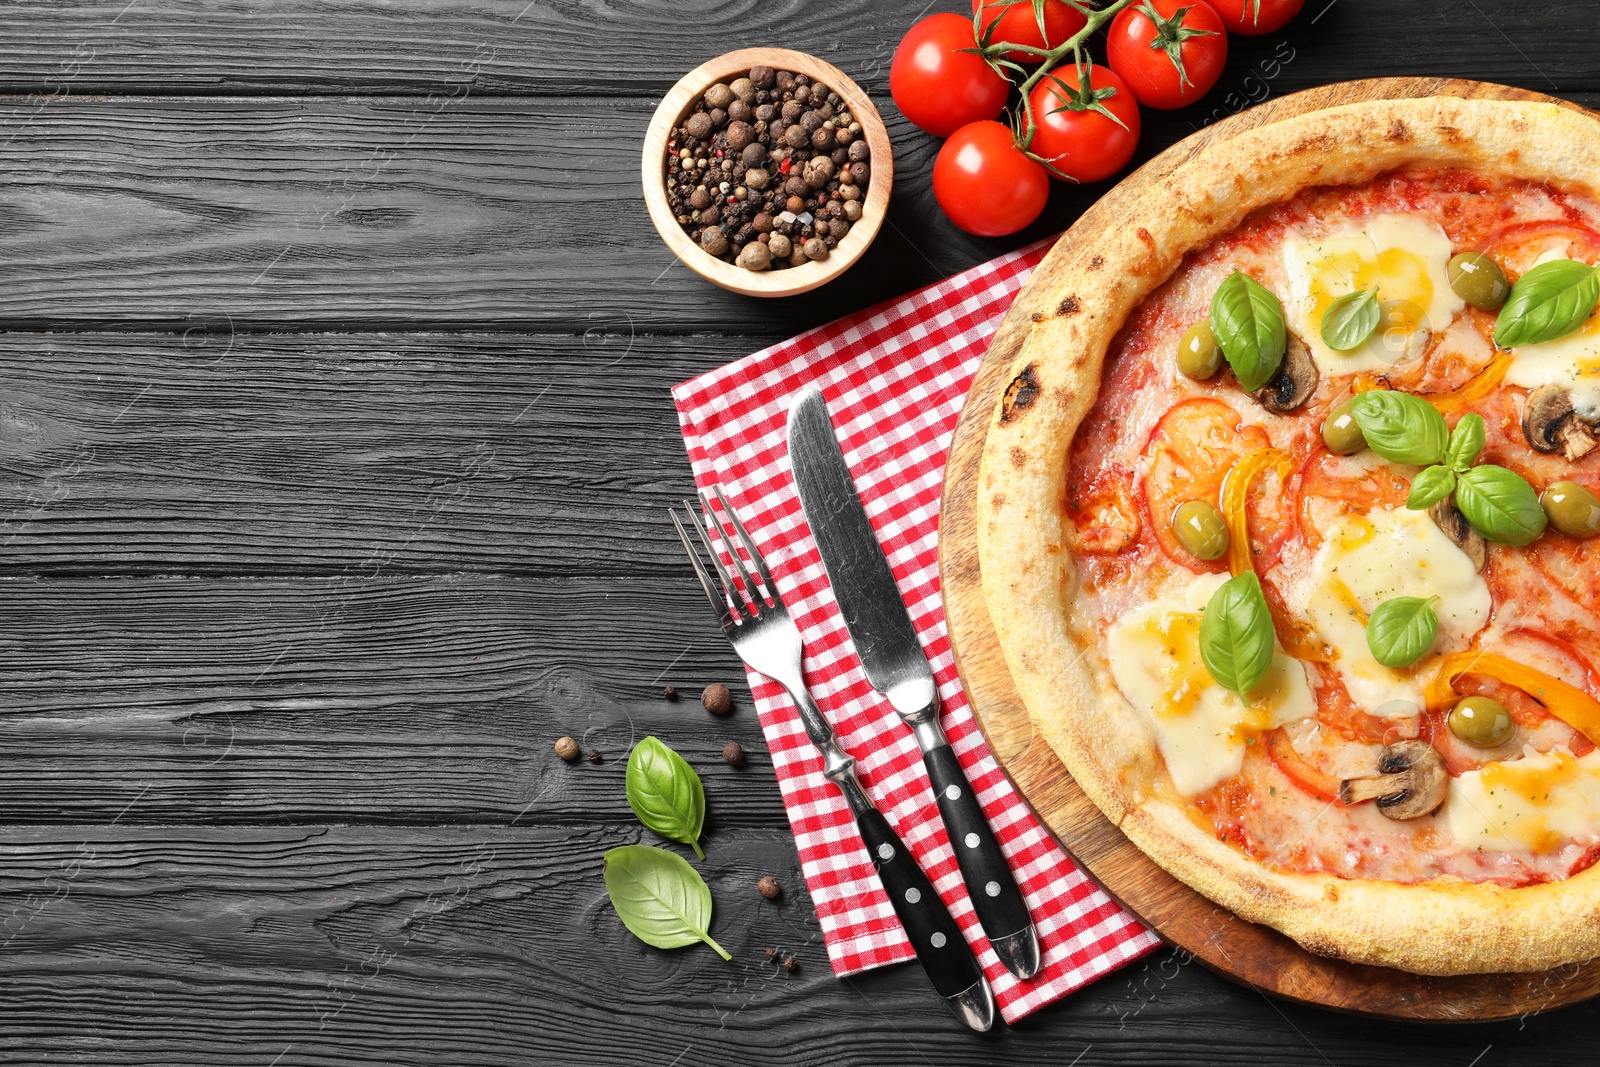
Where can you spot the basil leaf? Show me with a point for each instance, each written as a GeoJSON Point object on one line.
{"type": "Point", "coordinates": [1350, 320]}
{"type": "Point", "coordinates": [1400, 427]}
{"type": "Point", "coordinates": [1550, 300]}
{"type": "Point", "coordinates": [1466, 441]}
{"type": "Point", "coordinates": [1430, 487]}
{"type": "Point", "coordinates": [660, 898]}
{"type": "Point", "coordinates": [1248, 322]}
{"type": "Point", "coordinates": [665, 793]}
{"type": "Point", "coordinates": [1236, 637]}
{"type": "Point", "coordinates": [1499, 504]}
{"type": "Point", "coordinates": [1401, 630]}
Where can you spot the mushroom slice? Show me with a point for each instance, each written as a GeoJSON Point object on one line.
{"type": "Point", "coordinates": [1448, 518]}
{"type": "Point", "coordinates": [1294, 383]}
{"type": "Point", "coordinates": [1550, 424]}
{"type": "Point", "coordinates": [1411, 782]}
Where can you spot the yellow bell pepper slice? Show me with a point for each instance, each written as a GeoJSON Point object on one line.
{"type": "Point", "coordinates": [1566, 702]}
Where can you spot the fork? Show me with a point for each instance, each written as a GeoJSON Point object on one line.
{"type": "Point", "coordinates": [757, 622]}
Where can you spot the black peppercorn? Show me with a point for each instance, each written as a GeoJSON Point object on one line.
{"type": "Point", "coordinates": [784, 79]}
{"type": "Point", "coordinates": [823, 139]}
{"type": "Point", "coordinates": [717, 699]}
{"type": "Point", "coordinates": [790, 964]}
{"type": "Point", "coordinates": [860, 173]}
{"type": "Point", "coordinates": [670, 692]}
{"type": "Point", "coordinates": [771, 954]}
{"type": "Point", "coordinates": [812, 121]}
{"type": "Point", "coordinates": [733, 754]}
{"type": "Point", "coordinates": [593, 755]}
{"type": "Point", "coordinates": [763, 77]}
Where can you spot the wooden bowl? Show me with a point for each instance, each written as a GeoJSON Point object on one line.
{"type": "Point", "coordinates": [675, 106]}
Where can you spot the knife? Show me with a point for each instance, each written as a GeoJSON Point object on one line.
{"type": "Point", "coordinates": [894, 663]}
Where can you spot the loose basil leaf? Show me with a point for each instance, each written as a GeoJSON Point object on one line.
{"type": "Point", "coordinates": [665, 793]}
{"type": "Point", "coordinates": [1430, 487]}
{"type": "Point", "coordinates": [1499, 504]}
{"type": "Point", "coordinates": [1350, 320]}
{"type": "Point", "coordinates": [1236, 638]}
{"type": "Point", "coordinates": [1466, 441]}
{"type": "Point", "coordinates": [1248, 322]}
{"type": "Point", "coordinates": [1400, 427]}
{"type": "Point", "coordinates": [1550, 300]}
{"type": "Point", "coordinates": [660, 898]}
{"type": "Point", "coordinates": [1401, 630]}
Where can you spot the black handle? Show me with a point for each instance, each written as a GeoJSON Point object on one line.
{"type": "Point", "coordinates": [990, 883]}
{"type": "Point", "coordinates": [937, 939]}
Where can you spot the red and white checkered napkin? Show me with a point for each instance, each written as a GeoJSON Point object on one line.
{"type": "Point", "coordinates": [894, 377]}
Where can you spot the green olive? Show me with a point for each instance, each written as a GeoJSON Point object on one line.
{"type": "Point", "coordinates": [1199, 355]}
{"type": "Point", "coordinates": [1481, 722]}
{"type": "Point", "coordinates": [1571, 508]}
{"type": "Point", "coordinates": [1478, 280]}
{"type": "Point", "coordinates": [1200, 530]}
{"type": "Point", "coordinates": [1340, 432]}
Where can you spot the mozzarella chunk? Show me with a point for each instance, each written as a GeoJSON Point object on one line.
{"type": "Point", "coordinates": [1367, 559]}
{"type": "Point", "coordinates": [1404, 255]}
{"type": "Point", "coordinates": [1200, 728]}
{"type": "Point", "coordinates": [1534, 804]}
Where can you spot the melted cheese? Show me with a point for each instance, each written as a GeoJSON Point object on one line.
{"type": "Point", "coordinates": [1404, 255]}
{"type": "Point", "coordinates": [1367, 559]}
{"type": "Point", "coordinates": [1572, 361]}
{"type": "Point", "coordinates": [1200, 728]}
{"type": "Point", "coordinates": [1534, 804]}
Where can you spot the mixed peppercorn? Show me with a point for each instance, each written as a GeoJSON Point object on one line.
{"type": "Point", "coordinates": [768, 171]}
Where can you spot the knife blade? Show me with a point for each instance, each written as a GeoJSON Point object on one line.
{"type": "Point", "coordinates": [894, 663]}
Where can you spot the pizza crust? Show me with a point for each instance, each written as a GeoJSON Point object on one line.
{"type": "Point", "coordinates": [1442, 927]}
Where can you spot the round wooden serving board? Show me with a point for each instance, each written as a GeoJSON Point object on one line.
{"type": "Point", "coordinates": [1254, 955]}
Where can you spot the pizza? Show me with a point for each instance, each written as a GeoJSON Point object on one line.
{"type": "Point", "coordinates": [1286, 523]}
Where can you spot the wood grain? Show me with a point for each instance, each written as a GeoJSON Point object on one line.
{"type": "Point", "coordinates": [225, 452]}
{"type": "Point", "coordinates": [1253, 955]}
{"type": "Point", "coordinates": [358, 697]}
{"type": "Point", "coordinates": [568, 47]}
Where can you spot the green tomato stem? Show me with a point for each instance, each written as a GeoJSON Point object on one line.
{"type": "Point", "coordinates": [1050, 58]}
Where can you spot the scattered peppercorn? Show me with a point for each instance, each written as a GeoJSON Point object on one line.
{"type": "Point", "coordinates": [790, 964]}
{"type": "Point", "coordinates": [760, 157]}
{"type": "Point", "coordinates": [733, 754]}
{"type": "Point", "coordinates": [593, 755]}
{"type": "Point", "coordinates": [769, 888]}
{"type": "Point", "coordinates": [670, 692]}
{"type": "Point", "coordinates": [771, 954]}
{"type": "Point", "coordinates": [567, 748]}
{"type": "Point", "coordinates": [717, 699]}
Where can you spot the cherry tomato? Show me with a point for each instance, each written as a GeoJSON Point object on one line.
{"type": "Point", "coordinates": [1251, 18]}
{"type": "Point", "coordinates": [1186, 30]}
{"type": "Point", "coordinates": [1080, 142]}
{"type": "Point", "coordinates": [938, 86]}
{"type": "Point", "coordinates": [984, 182]}
{"type": "Point", "coordinates": [1016, 22]}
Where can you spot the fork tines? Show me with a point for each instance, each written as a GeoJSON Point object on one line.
{"type": "Point", "coordinates": [739, 595]}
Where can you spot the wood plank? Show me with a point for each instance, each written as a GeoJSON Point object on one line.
{"type": "Point", "coordinates": [359, 699]}
{"type": "Point", "coordinates": [340, 945]}
{"type": "Point", "coordinates": [368, 453]}
{"type": "Point", "coordinates": [491, 47]}
{"type": "Point", "coordinates": [317, 213]}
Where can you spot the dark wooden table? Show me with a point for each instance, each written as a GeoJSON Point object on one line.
{"type": "Point", "coordinates": [335, 443]}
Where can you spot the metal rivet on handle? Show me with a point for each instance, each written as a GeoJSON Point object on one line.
{"type": "Point", "coordinates": [913, 895]}
{"type": "Point", "coordinates": [937, 939]}
{"type": "Point", "coordinates": [993, 889]}
{"type": "Point", "coordinates": [953, 792]}
{"type": "Point", "coordinates": [886, 852]}
{"type": "Point", "coordinates": [972, 840]}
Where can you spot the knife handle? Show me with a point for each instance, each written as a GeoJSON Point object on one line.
{"type": "Point", "coordinates": [944, 953]}
{"type": "Point", "coordinates": [990, 883]}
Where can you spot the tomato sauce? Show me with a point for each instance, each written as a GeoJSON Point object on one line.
{"type": "Point", "coordinates": [1155, 439]}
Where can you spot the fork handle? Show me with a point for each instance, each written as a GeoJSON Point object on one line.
{"type": "Point", "coordinates": [944, 953]}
